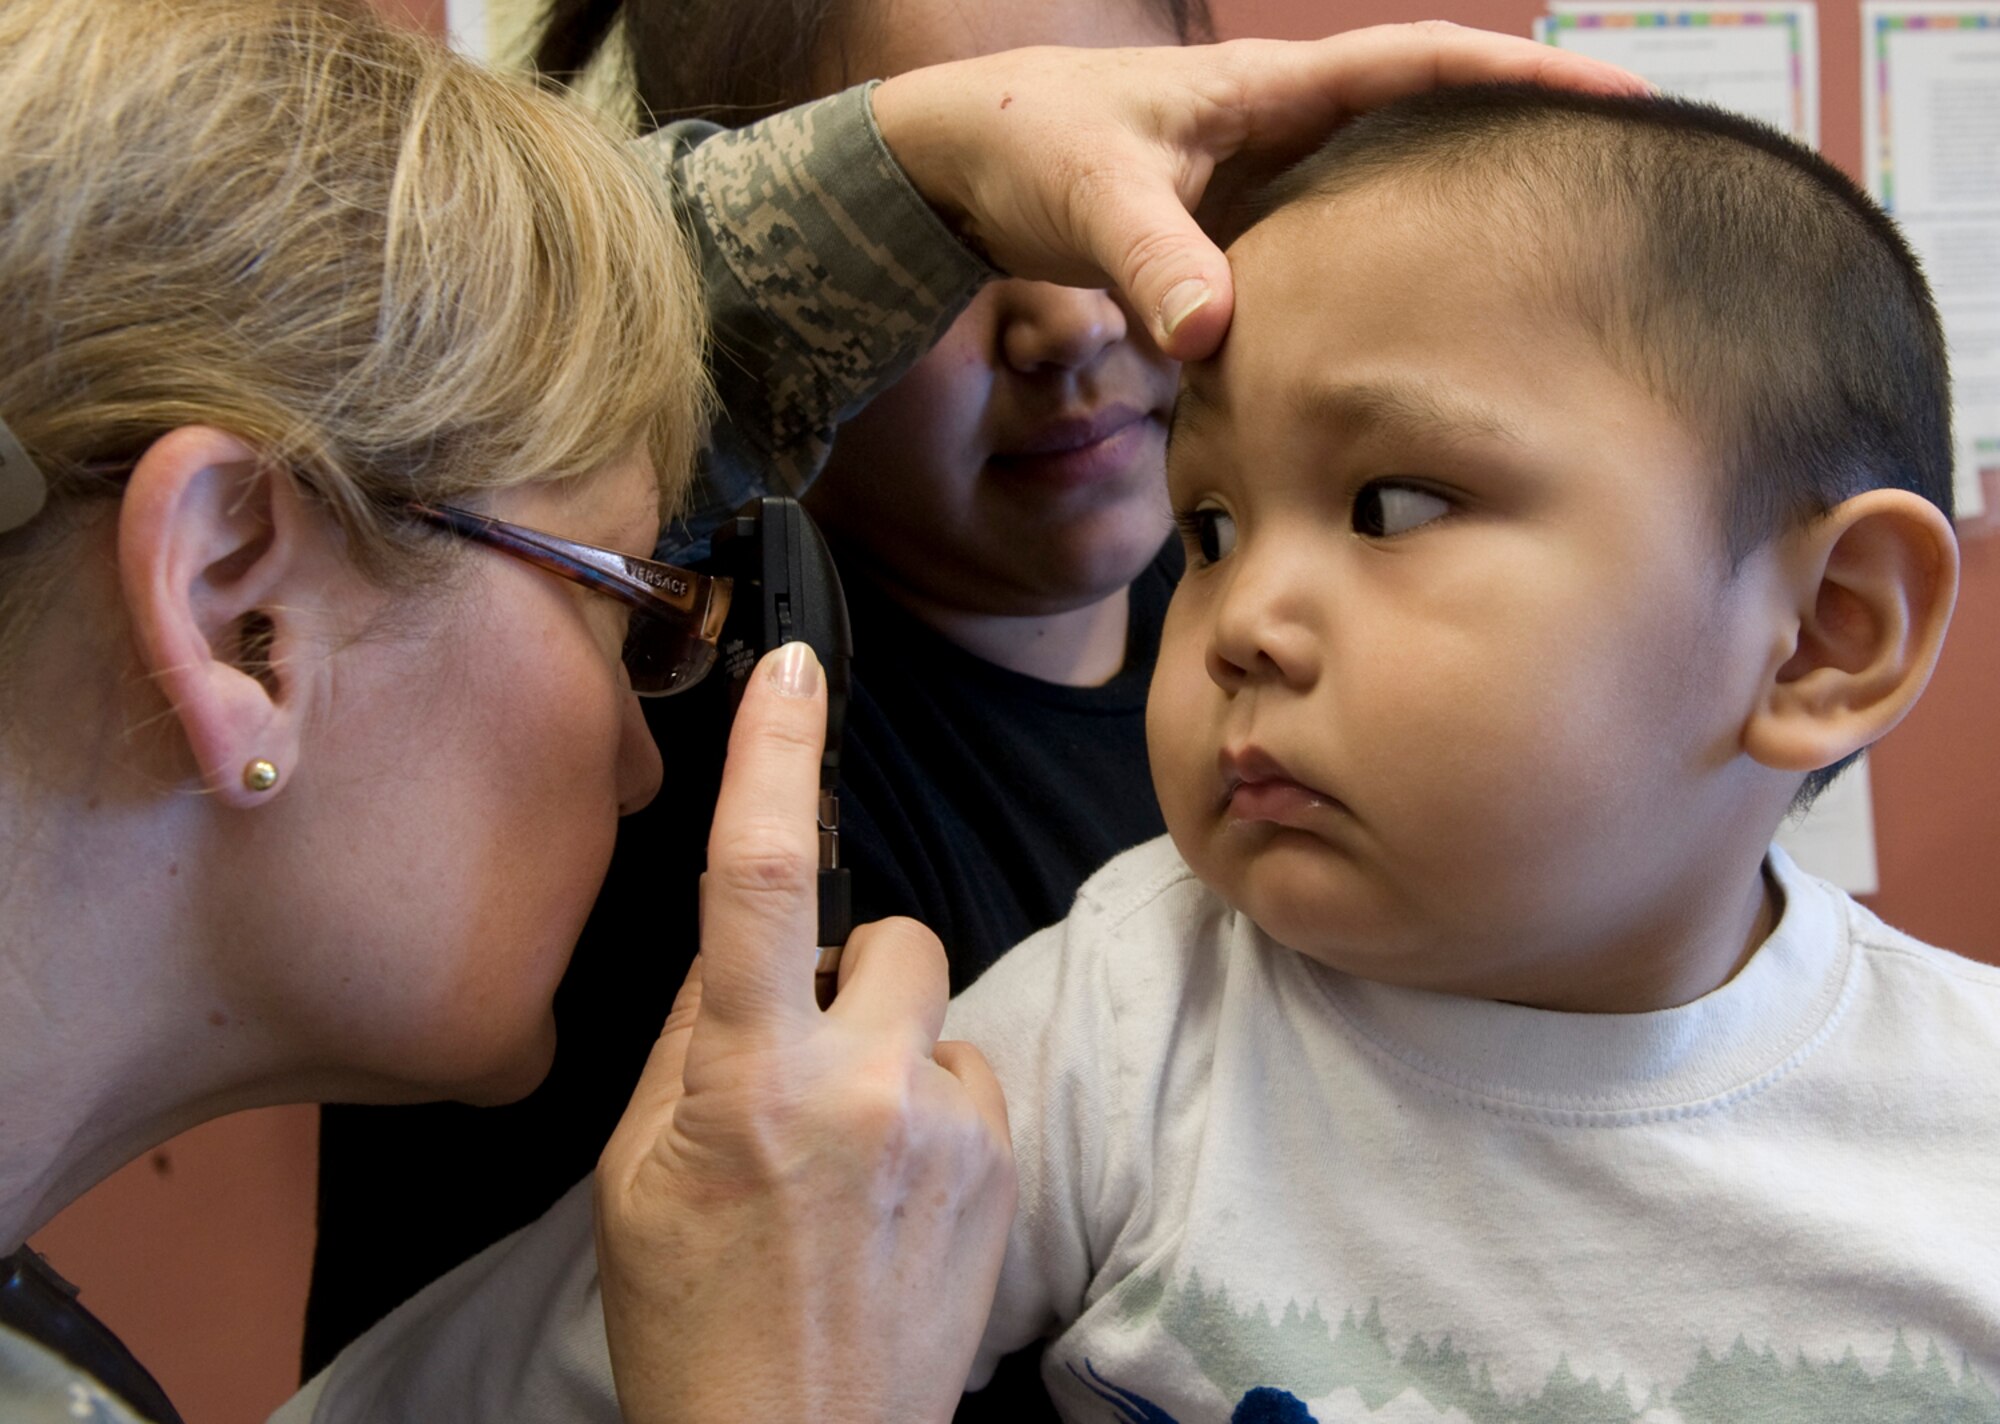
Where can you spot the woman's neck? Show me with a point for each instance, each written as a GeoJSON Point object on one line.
{"type": "Point", "coordinates": [1078, 647]}
{"type": "Point", "coordinates": [115, 913]}
{"type": "Point", "coordinates": [96, 990]}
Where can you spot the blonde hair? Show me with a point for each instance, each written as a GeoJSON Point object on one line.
{"type": "Point", "coordinates": [397, 274]}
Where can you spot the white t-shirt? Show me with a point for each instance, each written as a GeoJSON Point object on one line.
{"type": "Point", "coordinates": [1256, 1189]}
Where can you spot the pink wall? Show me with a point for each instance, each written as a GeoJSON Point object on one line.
{"type": "Point", "coordinates": [420, 14]}
{"type": "Point", "coordinates": [199, 1254]}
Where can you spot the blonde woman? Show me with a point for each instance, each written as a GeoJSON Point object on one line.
{"type": "Point", "coordinates": [343, 388]}
{"type": "Point", "coordinates": [308, 773]}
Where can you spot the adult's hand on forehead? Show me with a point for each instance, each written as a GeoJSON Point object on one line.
{"type": "Point", "coordinates": [1087, 166]}
{"type": "Point", "coordinates": [802, 1214]}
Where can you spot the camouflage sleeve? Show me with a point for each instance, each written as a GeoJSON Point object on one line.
{"type": "Point", "coordinates": [827, 276]}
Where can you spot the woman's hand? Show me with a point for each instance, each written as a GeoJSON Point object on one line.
{"type": "Point", "coordinates": [1079, 165]}
{"type": "Point", "coordinates": [802, 1214]}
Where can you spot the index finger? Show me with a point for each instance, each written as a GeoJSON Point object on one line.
{"type": "Point", "coordinates": [1289, 86]}
{"type": "Point", "coordinates": [1276, 99]}
{"type": "Point", "coordinates": [760, 896]}
{"type": "Point", "coordinates": [1387, 62]}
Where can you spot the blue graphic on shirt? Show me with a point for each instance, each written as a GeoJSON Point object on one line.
{"type": "Point", "coordinates": [1262, 1405]}
{"type": "Point", "coordinates": [1132, 1409]}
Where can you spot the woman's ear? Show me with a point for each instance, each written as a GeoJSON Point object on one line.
{"type": "Point", "coordinates": [1873, 584]}
{"type": "Point", "coordinates": [212, 560]}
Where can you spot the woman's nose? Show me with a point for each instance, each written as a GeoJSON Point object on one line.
{"type": "Point", "coordinates": [1050, 328]}
{"type": "Point", "coordinates": [639, 768]}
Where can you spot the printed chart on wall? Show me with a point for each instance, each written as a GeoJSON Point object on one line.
{"type": "Point", "coordinates": [1760, 60]}
{"type": "Point", "coordinates": [1930, 112]}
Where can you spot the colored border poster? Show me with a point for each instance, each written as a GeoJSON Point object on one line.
{"type": "Point", "coordinates": [1930, 112]}
{"type": "Point", "coordinates": [1760, 60]}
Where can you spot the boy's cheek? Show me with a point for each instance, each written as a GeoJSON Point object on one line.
{"type": "Point", "coordinates": [1179, 711]}
{"type": "Point", "coordinates": [1181, 802]}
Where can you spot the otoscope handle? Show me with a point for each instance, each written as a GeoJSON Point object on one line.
{"type": "Point", "coordinates": [788, 590]}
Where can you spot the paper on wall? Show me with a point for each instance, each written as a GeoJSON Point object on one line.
{"type": "Point", "coordinates": [1760, 60]}
{"type": "Point", "coordinates": [468, 26]}
{"type": "Point", "coordinates": [1835, 840]}
{"type": "Point", "coordinates": [1930, 110]}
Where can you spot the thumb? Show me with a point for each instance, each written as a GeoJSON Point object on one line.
{"type": "Point", "coordinates": [1150, 245]}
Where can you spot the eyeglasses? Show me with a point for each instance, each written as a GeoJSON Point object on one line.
{"type": "Point", "coordinates": [677, 615]}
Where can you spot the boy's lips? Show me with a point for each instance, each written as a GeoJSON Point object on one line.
{"type": "Point", "coordinates": [1256, 787]}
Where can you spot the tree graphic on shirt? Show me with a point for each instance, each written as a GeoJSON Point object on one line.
{"type": "Point", "coordinates": [1259, 1361]}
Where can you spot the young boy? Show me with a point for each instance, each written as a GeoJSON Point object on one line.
{"type": "Point", "coordinates": [1570, 497]}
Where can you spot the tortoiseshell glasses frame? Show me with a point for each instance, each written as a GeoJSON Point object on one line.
{"type": "Point", "coordinates": [677, 614]}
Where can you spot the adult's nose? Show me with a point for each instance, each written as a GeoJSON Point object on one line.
{"type": "Point", "coordinates": [639, 767]}
{"type": "Point", "coordinates": [1045, 327]}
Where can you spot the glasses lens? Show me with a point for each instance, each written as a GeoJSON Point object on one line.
{"type": "Point", "coordinates": [665, 655]}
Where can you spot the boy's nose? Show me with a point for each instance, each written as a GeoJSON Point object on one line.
{"type": "Point", "coordinates": [1046, 327]}
{"type": "Point", "coordinates": [1262, 631]}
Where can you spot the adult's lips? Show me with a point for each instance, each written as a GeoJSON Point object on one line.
{"type": "Point", "coordinates": [1078, 449]}
{"type": "Point", "coordinates": [1073, 432]}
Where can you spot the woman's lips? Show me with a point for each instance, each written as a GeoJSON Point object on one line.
{"type": "Point", "coordinates": [1080, 451]}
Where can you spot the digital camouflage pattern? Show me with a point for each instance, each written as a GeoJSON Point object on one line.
{"type": "Point", "coordinates": [828, 276]}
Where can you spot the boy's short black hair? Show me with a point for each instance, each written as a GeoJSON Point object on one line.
{"type": "Point", "coordinates": [1742, 278]}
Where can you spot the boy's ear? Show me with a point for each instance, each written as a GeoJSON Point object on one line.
{"type": "Point", "coordinates": [211, 547]}
{"type": "Point", "coordinates": [1872, 586]}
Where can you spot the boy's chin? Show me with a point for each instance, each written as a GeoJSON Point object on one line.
{"type": "Point", "coordinates": [1333, 919]}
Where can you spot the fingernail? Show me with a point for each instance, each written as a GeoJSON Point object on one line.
{"type": "Point", "coordinates": [795, 672]}
{"type": "Point", "coordinates": [1182, 301]}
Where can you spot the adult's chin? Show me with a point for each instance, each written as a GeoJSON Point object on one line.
{"type": "Point", "coordinates": [489, 1073]}
{"type": "Point", "coordinates": [517, 1075]}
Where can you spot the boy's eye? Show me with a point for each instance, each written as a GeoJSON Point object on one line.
{"type": "Point", "coordinates": [1383, 509]}
{"type": "Point", "coordinates": [1210, 532]}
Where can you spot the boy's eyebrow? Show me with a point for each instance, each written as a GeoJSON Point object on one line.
{"type": "Point", "coordinates": [1364, 407]}
{"type": "Point", "coordinates": [1402, 405]}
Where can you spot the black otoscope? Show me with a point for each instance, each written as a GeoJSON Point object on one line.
{"type": "Point", "coordinates": [788, 591]}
